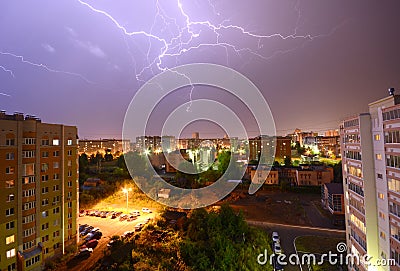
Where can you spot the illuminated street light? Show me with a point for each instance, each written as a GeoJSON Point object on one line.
{"type": "Point", "coordinates": [126, 191]}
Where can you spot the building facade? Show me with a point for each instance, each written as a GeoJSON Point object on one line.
{"type": "Point", "coordinates": [114, 146]}
{"type": "Point", "coordinates": [38, 190]}
{"type": "Point", "coordinates": [371, 178]}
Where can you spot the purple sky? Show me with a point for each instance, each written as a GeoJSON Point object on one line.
{"type": "Point", "coordinates": [80, 68]}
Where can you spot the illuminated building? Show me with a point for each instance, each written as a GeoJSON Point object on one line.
{"type": "Point", "coordinates": [282, 147]}
{"type": "Point", "coordinates": [39, 177]}
{"type": "Point", "coordinates": [371, 176]}
{"type": "Point", "coordinates": [94, 146]}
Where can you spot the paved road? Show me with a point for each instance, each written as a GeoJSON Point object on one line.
{"type": "Point", "coordinates": [289, 232]}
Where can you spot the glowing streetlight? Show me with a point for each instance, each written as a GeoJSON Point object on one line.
{"type": "Point", "coordinates": [126, 191]}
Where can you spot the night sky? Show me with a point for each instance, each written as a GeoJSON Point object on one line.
{"type": "Point", "coordinates": [316, 62]}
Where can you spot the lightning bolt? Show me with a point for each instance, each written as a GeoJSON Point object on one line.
{"type": "Point", "coordinates": [7, 70]}
{"type": "Point", "coordinates": [183, 42]}
{"type": "Point", "coordinates": [5, 94]}
{"type": "Point", "coordinates": [43, 66]}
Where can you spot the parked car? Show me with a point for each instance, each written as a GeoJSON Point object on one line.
{"type": "Point", "coordinates": [146, 210]}
{"type": "Point", "coordinates": [135, 213]}
{"type": "Point", "coordinates": [115, 215]}
{"type": "Point", "coordinates": [92, 243]}
{"type": "Point", "coordinates": [95, 229]}
{"type": "Point", "coordinates": [82, 227]}
{"type": "Point", "coordinates": [86, 230]}
{"type": "Point", "coordinates": [275, 237]}
{"type": "Point", "coordinates": [131, 218]}
{"type": "Point", "coordinates": [123, 217]}
{"type": "Point", "coordinates": [277, 248]}
{"type": "Point", "coordinates": [139, 226]}
{"type": "Point", "coordinates": [127, 234]}
{"type": "Point", "coordinates": [84, 252]}
{"type": "Point", "coordinates": [276, 265]}
{"type": "Point", "coordinates": [94, 235]}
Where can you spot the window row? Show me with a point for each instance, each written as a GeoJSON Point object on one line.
{"type": "Point", "coordinates": [351, 138]}
{"type": "Point", "coordinates": [392, 137]}
{"type": "Point", "coordinates": [351, 123]}
{"type": "Point", "coordinates": [394, 209]}
{"type": "Point", "coordinates": [356, 188]}
{"type": "Point", "coordinates": [393, 161]}
{"type": "Point", "coordinates": [391, 115]}
{"type": "Point", "coordinates": [394, 185]}
{"type": "Point", "coordinates": [359, 239]}
{"type": "Point", "coordinates": [353, 155]}
{"type": "Point", "coordinates": [44, 142]}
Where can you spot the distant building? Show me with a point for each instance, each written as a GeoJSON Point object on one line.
{"type": "Point", "coordinates": [148, 143]}
{"type": "Point", "coordinates": [333, 198]}
{"type": "Point", "coordinates": [314, 176]}
{"type": "Point", "coordinates": [196, 135]}
{"type": "Point", "coordinates": [299, 136]}
{"type": "Point", "coordinates": [265, 145]}
{"type": "Point", "coordinates": [114, 146]}
{"type": "Point", "coordinates": [39, 176]}
{"type": "Point", "coordinates": [263, 178]}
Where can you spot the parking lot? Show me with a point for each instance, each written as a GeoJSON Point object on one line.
{"type": "Point", "coordinates": [109, 227]}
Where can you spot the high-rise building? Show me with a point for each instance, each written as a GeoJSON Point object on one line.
{"type": "Point", "coordinates": [371, 178]}
{"type": "Point", "coordinates": [38, 191]}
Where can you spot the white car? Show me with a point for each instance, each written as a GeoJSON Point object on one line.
{"type": "Point", "coordinates": [146, 210]}
{"type": "Point", "coordinates": [275, 237]}
{"type": "Point", "coordinates": [277, 248]}
{"type": "Point", "coordinates": [135, 213]}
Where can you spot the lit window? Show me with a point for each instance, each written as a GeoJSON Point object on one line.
{"type": "Point", "coordinates": [10, 170]}
{"type": "Point", "coordinates": [381, 196]}
{"type": "Point", "coordinates": [69, 142]}
{"type": "Point", "coordinates": [10, 253]}
{"type": "Point", "coordinates": [377, 137]}
{"type": "Point", "coordinates": [56, 142]}
{"type": "Point", "coordinates": [10, 239]}
{"type": "Point", "coordinates": [378, 156]}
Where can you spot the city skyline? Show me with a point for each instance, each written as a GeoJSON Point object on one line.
{"type": "Point", "coordinates": [85, 71]}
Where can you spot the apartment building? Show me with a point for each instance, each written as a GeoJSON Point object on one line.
{"type": "Point", "coordinates": [38, 191]}
{"type": "Point", "coordinates": [371, 179]}
{"type": "Point", "coordinates": [113, 146]}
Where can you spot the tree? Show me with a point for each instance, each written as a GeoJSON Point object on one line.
{"type": "Point", "coordinates": [108, 156]}
{"type": "Point", "coordinates": [136, 163]}
{"type": "Point", "coordinates": [287, 162]}
{"type": "Point", "coordinates": [83, 162]}
{"type": "Point", "coordinates": [337, 173]}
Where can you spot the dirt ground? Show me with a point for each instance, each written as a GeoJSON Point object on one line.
{"type": "Point", "coordinates": [273, 206]}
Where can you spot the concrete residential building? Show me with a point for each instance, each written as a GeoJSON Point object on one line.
{"type": "Point", "coordinates": [93, 146]}
{"type": "Point", "coordinates": [38, 191]}
{"type": "Point", "coordinates": [264, 178]}
{"type": "Point", "coordinates": [332, 198]}
{"type": "Point", "coordinates": [371, 176]}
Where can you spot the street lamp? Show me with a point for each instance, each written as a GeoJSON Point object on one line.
{"type": "Point", "coordinates": [126, 191]}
